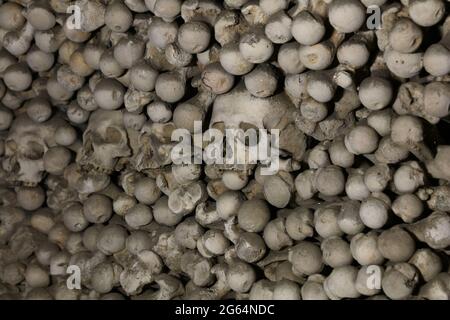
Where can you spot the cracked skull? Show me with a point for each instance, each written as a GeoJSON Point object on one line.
{"type": "Point", "coordinates": [25, 147]}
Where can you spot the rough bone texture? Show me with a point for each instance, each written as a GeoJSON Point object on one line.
{"type": "Point", "coordinates": [89, 180]}
{"type": "Point", "coordinates": [105, 141]}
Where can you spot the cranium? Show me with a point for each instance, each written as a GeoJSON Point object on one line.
{"type": "Point", "coordinates": [240, 110]}
{"type": "Point", "coordinates": [25, 147]}
{"type": "Point", "coordinates": [105, 141]}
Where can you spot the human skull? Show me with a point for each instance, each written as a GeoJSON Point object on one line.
{"type": "Point", "coordinates": [105, 142]}
{"type": "Point", "coordinates": [25, 147]}
{"type": "Point", "coordinates": [238, 109]}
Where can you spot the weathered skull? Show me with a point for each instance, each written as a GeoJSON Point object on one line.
{"type": "Point", "coordinates": [87, 261]}
{"type": "Point", "coordinates": [138, 270]}
{"type": "Point", "coordinates": [25, 147]}
{"type": "Point", "coordinates": [238, 109]}
{"type": "Point", "coordinates": [105, 141]}
{"type": "Point", "coordinates": [155, 146]}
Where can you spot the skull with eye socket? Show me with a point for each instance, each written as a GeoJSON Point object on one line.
{"type": "Point", "coordinates": [25, 147]}
{"type": "Point", "coordinates": [154, 146]}
{"type": "Point", "coordinates": [105, 142]}
{"type": "Point", "coordinates": [239, 109]}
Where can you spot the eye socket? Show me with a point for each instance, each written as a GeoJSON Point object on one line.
{"type": "Point", "coordinates": [167, 130]}
{"type": "Point", "coordinates": [112, 135]}
{"type": "Point", "coordinates": [34, 151]}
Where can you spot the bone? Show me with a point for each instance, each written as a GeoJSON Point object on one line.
{"type": "Point", "coordinates": [93, 173]}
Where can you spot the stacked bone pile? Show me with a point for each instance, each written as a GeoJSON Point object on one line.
{"type": "Point", "coordinates": [91, 94]}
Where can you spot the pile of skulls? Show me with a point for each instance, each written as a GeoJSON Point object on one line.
{"type": "Point", "coordinates": [94, 207]}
